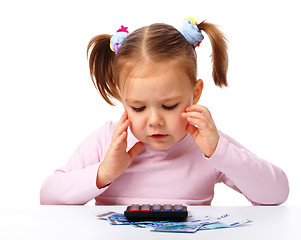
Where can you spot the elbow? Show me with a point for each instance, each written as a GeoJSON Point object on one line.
{"type": "Point", "coordinates": [44, 198]}
{"type": "Point", "coordinates": [282, 192]}
{"type": "Point", "coordinates": [48, 196]}
{"type": "Point", "coordinates": [270, 202]}
{"type": "Point", "coordinates": [274, 196]}
{"type": "Point", "coordinates": [284, 195]}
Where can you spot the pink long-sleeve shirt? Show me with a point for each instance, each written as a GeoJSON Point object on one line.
{"type": "Point", "coordinates": [179, 175]}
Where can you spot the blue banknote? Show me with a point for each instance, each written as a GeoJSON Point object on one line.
{"type": "Point", "coordinates": [190, 226]}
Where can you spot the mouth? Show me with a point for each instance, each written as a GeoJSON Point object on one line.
{"type": "Point", "coordinates": [158, 136]}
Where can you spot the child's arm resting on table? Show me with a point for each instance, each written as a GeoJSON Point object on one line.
{"type": "Point", "coordinates": [261, 182]}
{"type": "Point", "coordinates": [75, 182]}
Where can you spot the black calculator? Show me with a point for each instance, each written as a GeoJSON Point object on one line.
{"type": "Point", "coordinates": [156, 212]}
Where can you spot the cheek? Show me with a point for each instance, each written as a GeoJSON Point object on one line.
{"type": "Point", "coordinates": [136, 123]}
{"type": "Point", "coordinates": [182, 123]}
{"type": "Point", "coordinates": [178, 122]}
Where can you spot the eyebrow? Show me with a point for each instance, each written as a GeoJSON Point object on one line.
{"type": "Point", "coordinates": [168, 99]}
{"type": "Point", "coordinates": [127, 100]}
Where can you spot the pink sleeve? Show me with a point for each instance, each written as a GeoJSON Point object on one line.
{"type": "Point", "coordinates": [260, 181]}
{"type": "Point", "coordinates": [75, 182]}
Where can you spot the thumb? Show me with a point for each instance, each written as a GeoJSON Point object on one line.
{"type": "Point", "coordinates": [193, 131]}
{"type": "Point", "coordinates": [135, 150]}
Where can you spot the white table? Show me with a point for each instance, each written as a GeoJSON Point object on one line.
{"type": "Point", "coordinates": [80, 222]}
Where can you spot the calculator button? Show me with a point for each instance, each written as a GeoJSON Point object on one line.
{"type": "Point", "coordinates": [145, 207]}
{"type": "Point", "coordinates": [156, 207]}
{"type": "Point", "coordinates": [156, 212]}
{"type": "Point", "coordinates": [178, 207]}
{"type": "Point", "coordinates": [167, 207]}
{"type": "Point", "coordinates": [134, 207]}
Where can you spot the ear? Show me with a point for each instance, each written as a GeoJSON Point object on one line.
{"type": "Point", "coordinates": [197, 90]}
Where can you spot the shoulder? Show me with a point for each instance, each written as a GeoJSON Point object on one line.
{"type": "Point", "coordinates": [104, 132]}
{"type": "Point", "coordinates": [101, 136]}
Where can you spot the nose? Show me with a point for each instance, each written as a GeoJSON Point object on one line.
{"type": "Point", "coordinates": [155, 119]}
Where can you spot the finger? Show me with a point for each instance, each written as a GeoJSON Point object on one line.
{"type": "Point", "coordinates": [198, 115]}
{"type": "Point", "coordinates": [197, 122]}
{"type": "Point", "coordinates": [119, 141]}
{"type": "Point", "coordinates": [198, 108]}
{"type": "Point", "coordinates": [121, 128]}
{"type": "Point", "coordinates": [120, 125]}
{"type": "Point", "coordinates": [135, 150]}
{"type": "Point", "coordinates": [197, 118]}
{"type": "Point", "coordinates": [122, 119]}
{"type": "Point", "coordinates": [193, 131]}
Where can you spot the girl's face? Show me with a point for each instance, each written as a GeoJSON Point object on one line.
{"type": "Point", "coordinates": [154, 96]}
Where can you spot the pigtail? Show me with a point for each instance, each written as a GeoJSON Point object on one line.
{"type": "Point", "coordinates": [101, 67]}
{"type": "Point", "coordinates": [219, 53]}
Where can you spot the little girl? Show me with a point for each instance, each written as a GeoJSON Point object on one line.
{"type": "Point", "coordinates": [165, 147]}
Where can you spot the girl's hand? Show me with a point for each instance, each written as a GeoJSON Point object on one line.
{"type": "Point", "coordinates": [205, 134]}
{"type": "Point", "coordinates": [117, 160]}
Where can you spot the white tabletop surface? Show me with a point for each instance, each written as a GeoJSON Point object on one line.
{"type": "Point", "coordinates": [80, 222]}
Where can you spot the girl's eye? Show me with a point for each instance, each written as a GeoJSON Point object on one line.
{"type": "Point", "coordinates": [140, 109]}
{"type": "Point", "coordinates": [170, 107]}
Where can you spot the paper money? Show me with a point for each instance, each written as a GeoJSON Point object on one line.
{"type": "Point", "coordinates": [105, 215]}
{"type": "Point", "coordinates": [189, 226]}
{"type": "Point", "coordinates": [179, 228]}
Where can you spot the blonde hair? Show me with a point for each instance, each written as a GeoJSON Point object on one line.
{"type": "Point", "coordinates": [157, 42]}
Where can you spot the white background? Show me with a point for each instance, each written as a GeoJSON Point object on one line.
{"type": "Point", "coordinates": [49, 104]}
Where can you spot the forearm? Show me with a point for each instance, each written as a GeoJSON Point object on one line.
{"type": "Point", "coordinates": [260, 181]}
{"type": "Point", "coordinates": [73, 187]}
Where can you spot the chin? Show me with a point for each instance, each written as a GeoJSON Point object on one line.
{"type": "Point", "coordinates": [161, 147]}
